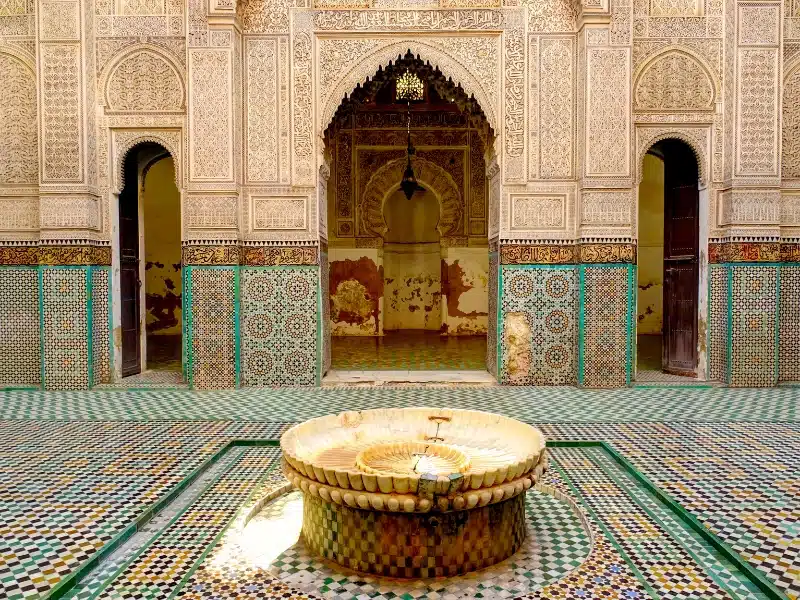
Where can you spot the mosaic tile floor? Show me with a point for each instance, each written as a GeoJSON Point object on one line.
{"type": "Point", "coordinates": [660, 378]}
{"type": "Point", "coordinates": [78, 469]}
{"type": "Point", "coordinates": [150, 379]}
{"type": "Point", "coordinates": [408, 351]}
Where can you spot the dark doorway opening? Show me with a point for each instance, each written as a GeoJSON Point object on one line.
{"type": "Point", "coordinates": [150, 262]}
{"type": "Point", "coordinates": [668, 261]}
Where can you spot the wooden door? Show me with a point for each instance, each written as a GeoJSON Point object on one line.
{"type": "Point", "coordinates": [129, 271]}
{"type": "Point", "coordinates": [681, 228]}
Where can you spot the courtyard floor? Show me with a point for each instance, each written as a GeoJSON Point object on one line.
{"type": "Point", "coordinates": [166, 493]}
{"type": "Point", "coordinates": [408, 350]}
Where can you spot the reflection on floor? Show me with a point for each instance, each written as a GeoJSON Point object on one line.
{"type": "Point", "coordinates": [648, 352]}
{"type": "Point", "coordinates": [406, 378]}
{"type": "Point", "coordinates": [164, 352]}
{"type": "Point", "coordinates": [648, 364]}
{"type": "Point", "coordinates": [408, 350]}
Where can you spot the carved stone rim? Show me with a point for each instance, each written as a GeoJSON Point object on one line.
{"type": "Point", "coordinates": [506, 457]}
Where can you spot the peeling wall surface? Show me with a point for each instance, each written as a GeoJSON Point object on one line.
{"type": "Point", "coordinates": [650, 300]}
{"type": "Point", "coordinates": [465, 291]}
{"type": "Point", "coordinates": [161, 212]}
{"type": "Point", "coordinates": [429, 251]}
{"type": "Point", "coordinates": [517, 334]}
{"type": "Point", "coordinates": [413, 286]}
{"type": "Point", "coordinates": [356, 291]}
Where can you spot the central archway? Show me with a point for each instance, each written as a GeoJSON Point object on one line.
{"type": "Point", "coordinates": [416, 300]}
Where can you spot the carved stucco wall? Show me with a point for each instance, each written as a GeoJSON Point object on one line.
{"type": "Point", "coordinates": [19, 152]}
{"type": "Point", "coordinates": [572, 109]}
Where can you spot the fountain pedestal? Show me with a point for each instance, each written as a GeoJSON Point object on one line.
{"type": "Point", "coordinates": [414, 545]}
{"type": "Point", "coordinates": [415, 492]}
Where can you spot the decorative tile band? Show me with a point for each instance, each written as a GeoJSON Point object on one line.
{"type": "Point", "coordinates": [771, 252]}
{"type": "Point", "coordinates": [251, 256]}
{"type": "Point", "coordinates": [223, 254]}
{"type": "Point", "coordinates": [558, 254]}
{"type": "Point", "coordinates": [537, 255]}
{"type": "Point", "coordinates": [55, 255]}
{"type": "Point", "coordinates": [790, 253]}
{"type": "Point", "coordinates": [607, 253]}
{"type": "Point", "coordinates": [273, 256]}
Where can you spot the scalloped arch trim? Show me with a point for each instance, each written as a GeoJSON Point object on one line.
{"type": "Point", "coordinates": [121, 153]}
{"type": "Point", "coordinates": [699, 154]}
{"type": "Point", "coordinates": [387, 179]}
{"type": "Point", "coordinates": [380, 57]}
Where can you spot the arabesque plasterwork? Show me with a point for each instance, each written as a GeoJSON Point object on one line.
{"type": "Point", "coordinates": [243, 109]}
{"type": "Point", "coordinates": [431, 176]}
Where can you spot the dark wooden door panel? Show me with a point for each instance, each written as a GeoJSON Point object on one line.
{"type": "Point", "coordinates": [681, 207]}
{"type": "Point", "coordinates": [681, 245]}
{"type": "Point", "coordinates": [680, 317]}
{"type": "Point", "coordinates": [129, 272]}
{"type": "Point", "coordinates": [129, 305]}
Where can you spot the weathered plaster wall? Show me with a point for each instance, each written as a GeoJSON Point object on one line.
{"type": "Point", "coordinates": [413, 286]}
{"type": "Point", "coordinates": [465, 291]}
{"type": "Point", "coordinates": [161, 212]}
{"type": "Point", "coordinates": [411, 221]}
{"type": "Point", "coordinates": [356, 291]}
{"type": "Point", "coordinates": [650, 305]}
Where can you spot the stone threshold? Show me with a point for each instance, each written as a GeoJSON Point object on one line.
{"type": "Point", "coordinates": [416, 378]}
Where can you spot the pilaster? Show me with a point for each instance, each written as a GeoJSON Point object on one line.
{"type": "Point", "coordinates": [606, 239]}
{"type": "Point", "coordinates": [212, 253]}
{"type": "Point", "coordinates": [749, 209]}
{"type": "Point", "coordinates": [69, 200]}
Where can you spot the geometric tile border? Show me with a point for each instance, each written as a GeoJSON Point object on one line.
{"type": "Point", "coordinates": [739, 478]}
{"type": "Point", "coordinates": [558, 541]}
{"type": "Point", "coordinates": [633, 516]}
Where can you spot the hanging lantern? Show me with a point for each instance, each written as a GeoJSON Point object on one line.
{"type": "Point", "coordinates": [409, 87]}
{"type": "Point", "coordinates": [409, 183]}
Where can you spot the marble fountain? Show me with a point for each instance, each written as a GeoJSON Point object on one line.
{"type": "Point", "coordinates": [414, 492]}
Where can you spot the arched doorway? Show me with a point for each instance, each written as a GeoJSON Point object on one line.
{"type": "Point", "coordinates": [150, 262]}
{"type": "Point", "coordinates": [409, 273]}
{"type": "Point", "coordinates": [668, 262]}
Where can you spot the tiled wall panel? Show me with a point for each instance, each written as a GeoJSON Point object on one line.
{"type": "Point", "coordinates": [790, 323]}
{"type": "Point", "coordinates": [718, 323]}
{"type": "Point", "coordinates": [66, 328]}
{"type": "Point", "coordinates": [542, 304]}
{"type": "Point", "coordinates": [212, 354]}
{"type": "Point", "coordinates": [754, 292]}
{"type": "Point", "coordinates": [326, 313]}
{"type": "Point", "coordinates": [279, 325]}
{"type": "Point", "coordinates": [607, 305]}
{"type": "Point", "coordinates": [491, 330]}
{"type": "Point", "coordinates": [20, 355]}
{"type": "Point", "coordinates": [101, 330]}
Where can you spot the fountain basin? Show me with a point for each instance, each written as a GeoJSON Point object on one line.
{"type": "Point", "coordinates": [415, 492]}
